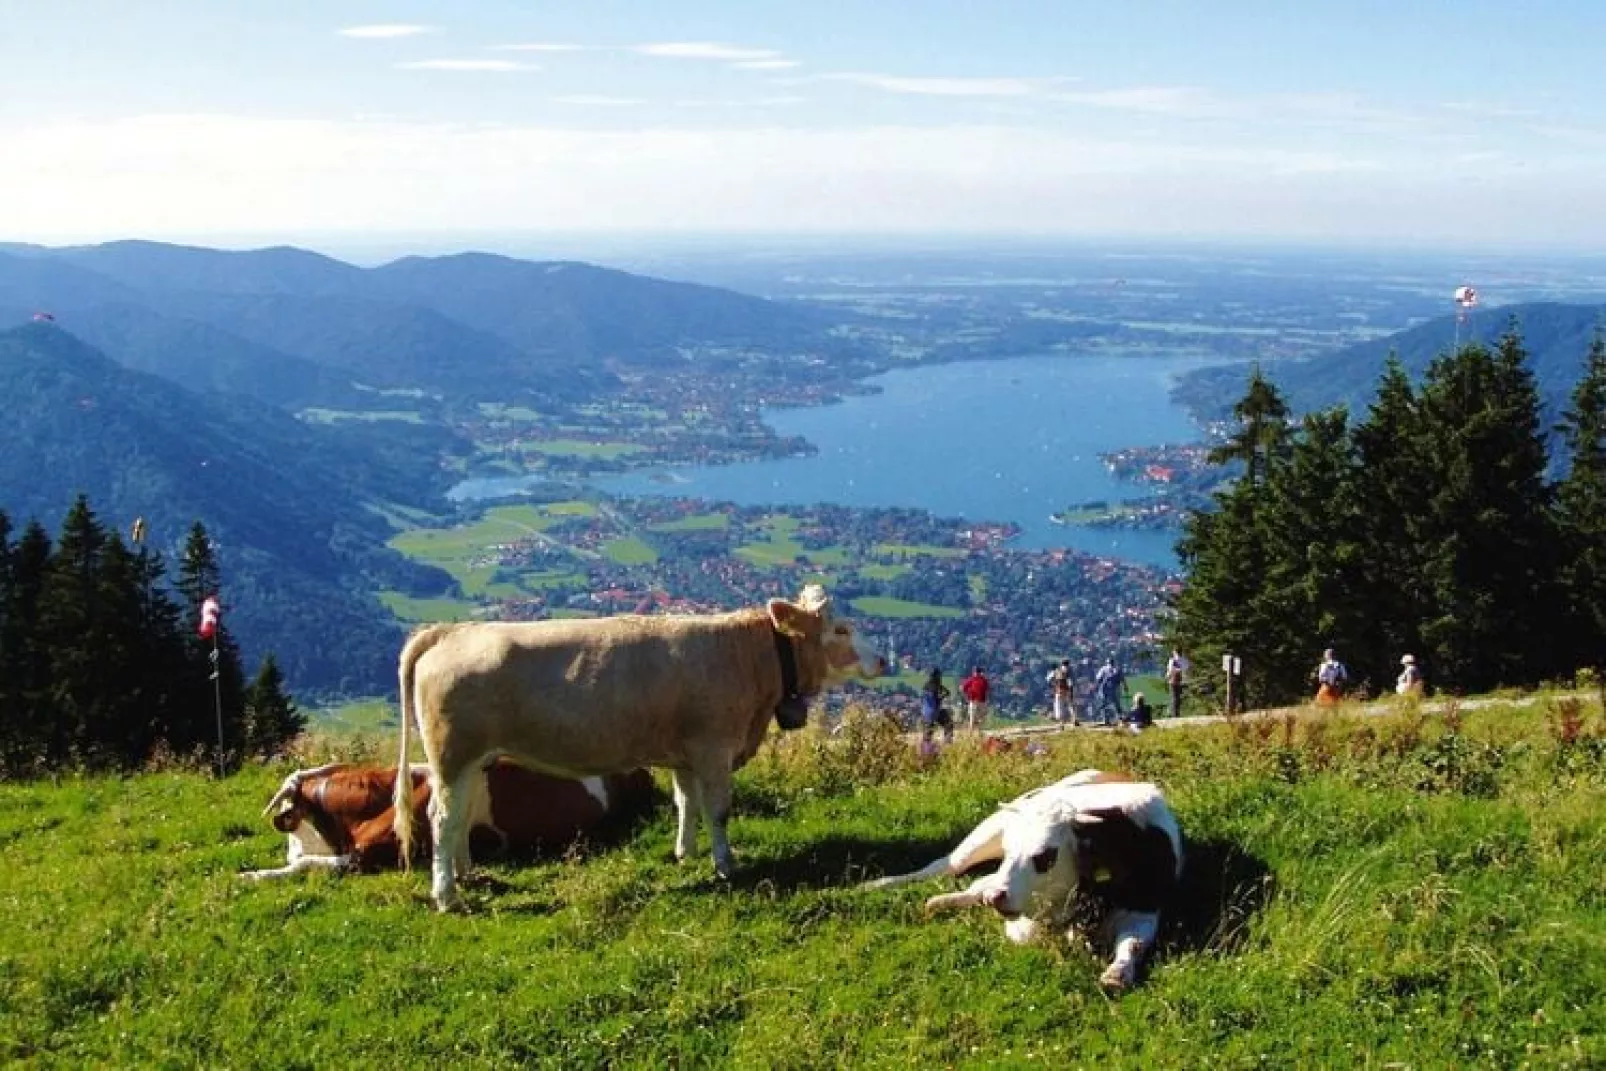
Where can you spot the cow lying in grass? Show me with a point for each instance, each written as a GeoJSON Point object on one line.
{"type": "Point", "coordinates": [694, 694]}
{"type": "Point", "coordinates": [341, 817]}
{"type": "Point", "coordinates": [1091, 835]}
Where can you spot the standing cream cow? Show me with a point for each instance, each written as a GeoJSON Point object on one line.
{"type": "Point", "coordinates": [578, 698]}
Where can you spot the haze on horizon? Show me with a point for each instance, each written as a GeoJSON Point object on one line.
{"type": "Point", "coordinates": [1474, 124]}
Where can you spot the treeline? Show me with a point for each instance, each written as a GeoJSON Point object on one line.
{"type": "Point", "coordinates": [1434, 527]}
{"type": "Point", "coordinates": [101, 661]}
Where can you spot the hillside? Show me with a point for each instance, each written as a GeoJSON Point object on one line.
{"type": "Point", "coordinates": [470, 326]}
{"type": "Point", "coordinates": [1557, 337]}
{"type": "Point", "coordinates": [292, 506]}
{"type": "Point", "coordinates": [1407, 891]}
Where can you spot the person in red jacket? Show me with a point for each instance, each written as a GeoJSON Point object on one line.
{"type": "Point", "coordinates": [975, 688]}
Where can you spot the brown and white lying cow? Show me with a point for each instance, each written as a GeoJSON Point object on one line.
{"type": "Point", "coordinates": [1089, 835]}
{"type": "Point", "coordinates": [693, 694]}
{"type": "Point", "coordinates": [342, 818]}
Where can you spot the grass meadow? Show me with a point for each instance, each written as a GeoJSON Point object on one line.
{"type": "Point", "coordinates": [1408, 890]}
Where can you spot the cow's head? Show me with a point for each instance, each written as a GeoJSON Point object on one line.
{"type": "Point", "coordinates": [1037, 877]}
{"type": "Point", "coordinates": [827, 644]}
{"type": "Point", "coordinates": [287, 809]}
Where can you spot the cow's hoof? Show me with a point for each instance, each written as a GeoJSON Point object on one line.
{"type": "Point", "coordinates": [1114, 980]}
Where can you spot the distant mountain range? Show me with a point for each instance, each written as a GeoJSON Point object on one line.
{"type": "Point", "coordinates": [1557, 337]}
{"type": "Point", "coordinates": [161, 381]}
{"type": "Point", "coordinates": [296, 328]}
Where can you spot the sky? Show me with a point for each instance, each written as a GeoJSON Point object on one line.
{"type": "Point", "coordinates": [1480, 125]}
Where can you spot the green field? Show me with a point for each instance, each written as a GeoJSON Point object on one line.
{"type": "Point", "coordinates": [782, 548]}
{"type": "Point", "coordinates": [629, 550]}
{"type": "Point", "coordinates": [1405, 892]}
{"type": "Point", "coordinates": [370, 416]}
{"type": "Point", "coordinates": [702, 522]}
{"type": "Point", "coordinates": [605, 451]}
{"type": "Point", "coordinates": [464, 550]}
{"type": "Point", "coordinates": [886, 606]}
{"type": "Point", "coordinates": [914, 550]}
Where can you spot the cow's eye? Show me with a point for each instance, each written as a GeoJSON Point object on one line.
{"type": "Point", "coordinates": [1044, 860]}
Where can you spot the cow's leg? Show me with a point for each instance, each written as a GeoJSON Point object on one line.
{"type": "Point", "coordinates": [450, 820]}
{"type": "Point", "coordinates": [984, 844]}
{"type": "Point", "coordinates": [714, 781]}
{"type": "Point", "coordinates": [1134, 934]}
{"type": "Point", "coordinates": [300, 864]}
{"type": "Point", "coordinates": [688, 811]}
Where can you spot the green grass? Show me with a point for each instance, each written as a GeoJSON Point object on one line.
{"type": "Point", "coordinates": [880, 571]}
{"type": "Point", "coordinates": [781, 548]}
{"type": "Point", "coordinates": [629, 550]}
{"type": "Point", "coordinates": [886, 606]}
{"type": "Point", "coordinates": [605, 451]}
{"type": "Point", "coordinates": [408, 608]}
{"type": "Point", "coordinates": [1403, 892]}
{"type": "Point", "coordinates": [702, 522]}
{"type": "Point", "coordinates": [915, 550]}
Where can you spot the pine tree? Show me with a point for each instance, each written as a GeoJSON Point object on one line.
{"type": "Point", "coordinates": [1489, 550]}
{"type": "Point", "coordinates": [1311, 597]}
{"type": "Point", "coordinates": [1261, 439]}
{"type": "Point", "coordinates": [28, 717]}
{"type": "Point", "coordinates": [272, 719]}
{"type": "Point", "coordinates": [1394, 478]}
{"type": "Point", "coordinates": [1581, 508]}
{"type": "Point", "coordinates": [69, 632]}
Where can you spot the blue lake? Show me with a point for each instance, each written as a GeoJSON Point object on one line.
{"type": "Point", "coordinates": [1009, 440]}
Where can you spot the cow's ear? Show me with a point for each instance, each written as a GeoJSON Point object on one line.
{"type": "Point", "coordinates": [789, 619]}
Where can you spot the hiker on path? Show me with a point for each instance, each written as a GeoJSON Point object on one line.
{"type": "Point", "coordinates": [1109, 687]}
{"type": "Point", "coordinates": [1176, 670]}
{"type": "Point", "coordinates": [1060, 681]}
{"type": "Point", "coordinates": [975, 689]}
{"type": "Point", "coordinates": [1409, 681]}
{"type": "Point", "coordinates": [932, 712]}
{"type": "Point", "coordinates": [1331, 679]}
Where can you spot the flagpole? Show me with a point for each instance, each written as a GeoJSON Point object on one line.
{"type": "Point", "coordinates": [217, 700]}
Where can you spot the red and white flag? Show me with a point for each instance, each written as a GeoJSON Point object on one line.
{"type": "Point", "coordinates": [210, 614]}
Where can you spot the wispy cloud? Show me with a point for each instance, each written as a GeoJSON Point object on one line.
{"type": "Point", "coordinates": [465, 65]}
{"type": "Point", "coordinates": [1154, 100]}
{"type": "Point", "coordinates": [706, 50]}
{"type": "Point", "coordinates": [593, 100]}
{"type": "Point", "coordinates": [766, 65]}
{"type": "Point", "coordinates": [750, 102]}
{"type": "Point", "coordinates": [940, 87]}
{"type": "Point", "coordinates": [383, 30]}
{"type": "Point", "coordinates": [540, 46]}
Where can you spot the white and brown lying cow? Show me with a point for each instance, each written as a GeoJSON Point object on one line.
{"type": "Point", "coordinates": [342, 818]}
{"type": "Point", "coordinates": [693, 694]}
{"type": "Point", "coordinates": [1092, 834]}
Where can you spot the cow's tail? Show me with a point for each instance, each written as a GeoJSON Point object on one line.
{"type": "Point", "coordinates": [402, 820]}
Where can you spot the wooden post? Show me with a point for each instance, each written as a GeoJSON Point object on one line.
{"type": "Point", "coordinates": [1226, 667]}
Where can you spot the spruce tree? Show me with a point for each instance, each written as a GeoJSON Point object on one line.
{"type": "Point", "coordinates": [1581, 509]}
{"type": "Point", "coordinates": [272, 719]}
{"type": "Point", "coordinates": [28, 716]}
{"type": "Point", "coordinates": [1312, 595]}
{"type": "Point", "coordinates": [1261, 438]}
{"type": "Point", "coordinates": [69, 630]}
{"type": "Point", "coordinates": [1489, 550]}
{"type": "Point", "coordinates": [1394, 477]}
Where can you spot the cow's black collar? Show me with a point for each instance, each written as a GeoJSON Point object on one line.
{"type": "Point", "coordinates": [793, 710]}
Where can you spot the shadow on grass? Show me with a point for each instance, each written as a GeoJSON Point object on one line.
{"type": "Point", "coordinates": [834, 862]}
{"type": "Point", "coordinates": [1223, 887]}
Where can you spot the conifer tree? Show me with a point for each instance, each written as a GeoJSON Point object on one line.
{"type": "Point", "coordinates": [1394, 478]}
{"type": "Point", "coordinates": [23, 665]}
{"type": "Point", "coordinates": [1489, 551]}
{"type": "Point", "coordinates": [272, 719]}
{"type": "Point", "coordinates": [69, 630]}
{"type": "Point", "coordinates": [1311, 596]}
{"type": "Point", "coordinates": [1581, 508]}
{"type": "Point", "coordinates": [1261, 439]}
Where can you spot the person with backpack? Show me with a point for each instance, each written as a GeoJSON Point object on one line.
{"type": "Point", "coordinates": [1410, 680]}
{"type": "Point", "coordinates": [1060, 682]}
{"type": "Point", "coordinates": [1109, 687]}
{"type": "Point", "coordinates": [1331, 679]}
{"type": "Point", "coordinates": [975, 689]}
{"type": "Point", "coordinates": [932, 712]}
